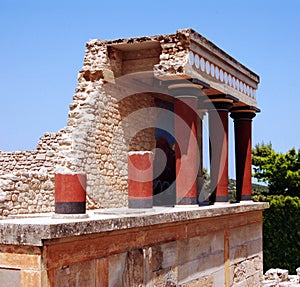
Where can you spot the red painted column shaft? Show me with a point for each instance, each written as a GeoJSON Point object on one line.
{"type": "Point", "coordinates": [70, 193]}
{"type": "Point", "coordinates": [243, 154]}
{"type": "Point", "coordinates": [140, 179]}
{"type": "Point", "coordinates": [218, 135]}
{"type": "Point", "coordinates": [185, 124]}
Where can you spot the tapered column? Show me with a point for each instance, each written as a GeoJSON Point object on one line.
{"type": "Point", "coordinates": [243, 150]}
{"type": "Point", "coordinates": [218, 135]}
{"type": "Point", "coordinates": [185, 125]}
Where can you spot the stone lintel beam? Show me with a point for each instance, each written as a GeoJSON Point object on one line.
{"type": "Point", "coordinates": [185, 54]}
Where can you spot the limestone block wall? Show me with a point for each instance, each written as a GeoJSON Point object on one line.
{"type": "Point", "coordinates": [188, 248]}
{"type": "Point", "coordinates": [245, 255]}
{"type": "Point", "coordinates": [27, 177]}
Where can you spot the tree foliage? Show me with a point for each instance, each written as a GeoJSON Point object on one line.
{"type": "Point", "coordinates": [281, 225]}
{"type": "Point", "coordinates": [281, 172]}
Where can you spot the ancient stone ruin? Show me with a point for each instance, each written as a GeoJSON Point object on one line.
{"type": "Point", "coordinates": [97, 137]}
{"type": "Point", "coordinates": [121, 186]}
{"type": "Point", "coordinates": [277, 277]}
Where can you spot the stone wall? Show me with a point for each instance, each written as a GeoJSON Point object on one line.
{"type": "Point", "coordinates": [103, 130]}
{"type": "Point", "coordinates": [174, 55]}
{"type": "Point", "coordinates": [221, 246]}
{"type": "Point", "coordinates": [103, 125]}
{"type": "Point", "coordinates": [19, 192]}
{"type": "Point", "coordinates": [27, 177]}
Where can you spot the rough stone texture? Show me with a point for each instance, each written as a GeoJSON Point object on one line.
{"type": "Point", "coordinates": [277, 277]}
{"type": "Point", "coordinates": [19, 192]}
{"type": "Point", "coordinates": [246, 242]}
{"type": "Point", "coordinates": [134, 272]}
{"type": "Point", "coordinates": [173, 57]}
{"type": "Point", "coordinates": [206, 281]}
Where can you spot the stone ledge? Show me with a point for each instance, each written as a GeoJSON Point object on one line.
{"type": "Point", "coordinates": [34, 229]}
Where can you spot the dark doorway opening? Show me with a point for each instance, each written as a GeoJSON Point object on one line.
{"type": "Point", "coordinates": [164, 188]}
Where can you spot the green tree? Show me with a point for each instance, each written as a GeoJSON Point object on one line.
{"type": "Point", "coordinates": [281, 225]}
{"type": "Point", "coordinates": [281, 172]}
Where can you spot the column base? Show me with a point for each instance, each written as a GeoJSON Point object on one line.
{"type": "Point", "coordinates": [246, 197]}
{"type": "Point", "coordinates": [204, 203]}
{"type": "Point", "coordinates": [221, 198]}
{"type": "Point", "coordinates": [70, 207]}
{"type": "Point", "coordinates": [140, 202]}
{"type": "Point", "coordinates": [187, 201]}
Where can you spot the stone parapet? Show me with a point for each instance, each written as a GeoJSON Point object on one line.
{"type": "Point", "coordinates": [183, 246]}
{"type": "Point", "coordinates": [34, 229]}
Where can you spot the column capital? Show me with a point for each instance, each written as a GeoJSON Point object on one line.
{"type": "Point", "coordinates": [191, 81]}
{"type": "Point", "coordinates": [243, 113]}
{"type": "Point", "coordinates": [220, 102]}
{"type": "Point", "coordinates": [221, 105]}
{"type": "Point", "coordinates": [185, 89]}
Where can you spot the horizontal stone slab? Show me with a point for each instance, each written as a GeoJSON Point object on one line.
{"type": "Point", "coordinates": [33, 229]}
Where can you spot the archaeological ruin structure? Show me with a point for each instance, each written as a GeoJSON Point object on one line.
{"type": "Point", "coordinates": [117, 197]}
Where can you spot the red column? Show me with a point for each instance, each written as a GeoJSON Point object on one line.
{"type": "Point", "coordinates": [185, 125]}
{"type": "Point", "coordinates": [243, 153]}
{"type": "Point", "coordinates": [186, 149]}
{"type": "Point", "coordinates": [218, 135]}
{"type": "Point", "coordinates": [70, 193]}
{"type": "Point", "coordinates": [140, 179]}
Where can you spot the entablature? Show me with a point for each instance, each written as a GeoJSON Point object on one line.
{"type": "Point", "coordinates": [183, 55]}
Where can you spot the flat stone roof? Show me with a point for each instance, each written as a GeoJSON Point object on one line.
{"type": "Point", "coordinates": [188, 54]}
{"type": "Point", "coordinates": [33, 229]}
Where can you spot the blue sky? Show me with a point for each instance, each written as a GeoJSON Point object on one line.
{"type": "Point", "coordinates": [43, 44]}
